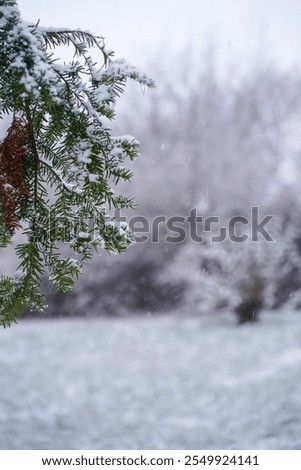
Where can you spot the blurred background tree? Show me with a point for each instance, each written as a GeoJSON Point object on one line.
{"type": "Point", "coordinates": [220, 146]}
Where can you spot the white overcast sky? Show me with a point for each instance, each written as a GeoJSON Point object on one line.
{"type": "Point", "coordinates": [138, 30]}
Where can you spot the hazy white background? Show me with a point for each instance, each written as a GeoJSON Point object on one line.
{"type": "Point", "coordinates": [139, 30]}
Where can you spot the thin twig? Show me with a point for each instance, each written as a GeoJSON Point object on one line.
{"type": "Point", "coordinates": [35, 153]}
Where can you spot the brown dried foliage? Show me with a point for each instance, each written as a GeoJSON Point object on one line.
{"type": "Point", "coordinates": [13, 190]}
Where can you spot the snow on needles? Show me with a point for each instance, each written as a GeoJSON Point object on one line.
{"type": "Point", "coordinates": [29, 60]}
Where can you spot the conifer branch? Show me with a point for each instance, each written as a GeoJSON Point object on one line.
{"type": "Point", "coordinates": [62, 144]}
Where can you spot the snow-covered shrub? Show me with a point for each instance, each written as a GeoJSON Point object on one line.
{"type": "Point", "coordinates": [224, 275]}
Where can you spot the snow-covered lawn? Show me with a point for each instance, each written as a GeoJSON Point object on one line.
{"type": "Point", "coordinates": [167, 382]}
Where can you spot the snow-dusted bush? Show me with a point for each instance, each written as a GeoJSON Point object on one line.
{"type": "Point", "coordinates": [224, 275]}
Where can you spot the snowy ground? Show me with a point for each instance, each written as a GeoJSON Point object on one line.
{"type": "Point", "coordinates": [153, 383]}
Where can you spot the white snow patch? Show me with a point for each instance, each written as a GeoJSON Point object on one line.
{"type": "Point", "coordinates": [5, 122]}
{"type": "Point", "coordinates": [168, 382]}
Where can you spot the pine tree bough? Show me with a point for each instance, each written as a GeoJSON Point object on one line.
{"type": "Point", "coordinates": [58, 139]}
